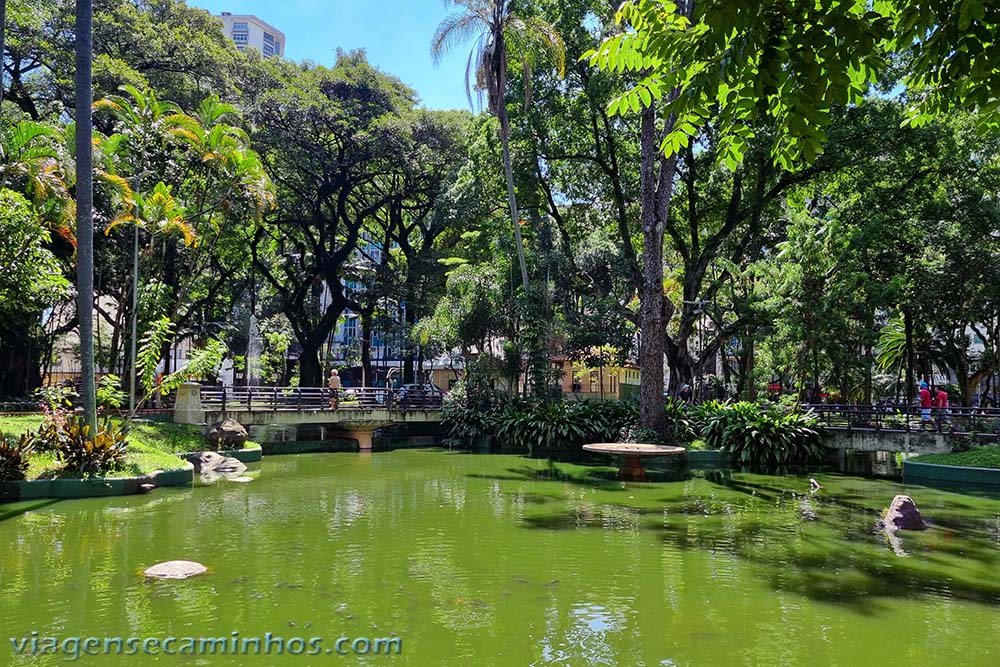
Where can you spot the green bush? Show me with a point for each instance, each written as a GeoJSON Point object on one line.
{"type": "Point", "coordinates": [14, 458]}
{"type": "Point", "coordinates": [110, 394]}
{"type": "Point", "coordinates": [752, 437]}
{"type": "Point", "coordinates": [638, 434]}
{"type": "Point", "coordinates": [542, 427]}
{"type": "Point", "coordinates": [80, 453]}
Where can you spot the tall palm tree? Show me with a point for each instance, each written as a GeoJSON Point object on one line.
{"type": "Point", "coordinates": [3, 43]}
{"type": "Point", "coordinates": [85, 206]}
{"type": "Point", "coordinates": [499, 33]}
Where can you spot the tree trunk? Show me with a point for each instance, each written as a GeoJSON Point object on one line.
{"type": "Point", "coordinates": [3, 45]}
{"type": "Point", "coordinates": [366, 349]}
{"type": "Point", "coordinates": [908, 332]}
{"type": "Point", "coordinates": [409, 317]}
{"type": "Point", "coordinates": [656, 190]}
{"type": "Point", "coordinates": [511, 198]}
{"type": "Point", "coordinates": [310, 370]}
{"type": "Point", "coordinates": [85, 207]}
{"type": "Point", "coordinates": [751, 362]}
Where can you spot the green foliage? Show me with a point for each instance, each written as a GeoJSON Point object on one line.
{"type": "Point", "coordinates": [109, 392]}
{"type": "Point", "coordinates": [752, 437]}
{"type": "Point", "coordinates": [739, 63]}
{"type": "Point", "coordinates": [32, 276]}
{"type": "Point", "coordinates": [14, 457]}
{"type": "Point", "coordinates": [202, 362]}
{"type": "Point", "coordinates": [55, 397]}
{"type": "Point", "coordinates": [79, 452]}
{"type": "Point", "coordinates": [638, 434]}
{"type": "Point", "coordinates": [562, 425]}
{"type": "Point", "coordinates": [83, 454]}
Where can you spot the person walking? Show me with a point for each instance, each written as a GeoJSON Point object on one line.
{"type": "Point", "coordinates": [925, 405]}
{"type": "Point", "coordinates": [334, 388]}
{"type": "Point", "coordinates": [940, 407]}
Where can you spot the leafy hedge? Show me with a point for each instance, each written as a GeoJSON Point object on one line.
{"type": "Point", "coordinates": [753, 437]}
{"type": "Point", "coordinates": [747, 433]}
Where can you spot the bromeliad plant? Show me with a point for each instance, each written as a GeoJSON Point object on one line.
{"type": "Point", "coordinates": [14, 458]}
{"type": "Point", "coordinates": [755, 438]}
{"type": "Point", "coordinates": [82, 454]}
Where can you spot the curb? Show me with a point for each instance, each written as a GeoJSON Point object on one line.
{"type": "Point", "coordinates": [93, 487]}
{"type": "Point", "coordinates": [927, 473]}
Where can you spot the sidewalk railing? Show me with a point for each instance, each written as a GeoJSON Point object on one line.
{"type": "Point", "coordinates": [954, 421]}
{"type": "Point", "coordinates": [297, 399]}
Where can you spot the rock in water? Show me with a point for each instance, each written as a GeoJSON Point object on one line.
{"type": "Point", "coordinates": [903, 515]}
{"type": "Point", "coordinates": [206, 462]}
{"type": "Point", "coordinates": [227, 434]}
{"type": "Point", "coordinates": [175, 569]}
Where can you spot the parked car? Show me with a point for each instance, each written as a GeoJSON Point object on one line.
{"type": "Point", "coordinates": [422, 396]}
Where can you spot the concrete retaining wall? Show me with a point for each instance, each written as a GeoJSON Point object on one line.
{"type": "Point", "coordinates": [933, 473]}
{"type": "Point", "coordinates": [888, 441]}
{"type": "Point", "coordinates": [93, 487]}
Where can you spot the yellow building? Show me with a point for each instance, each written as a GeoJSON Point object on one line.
{"type": "Point", "coordinates": [601, 383]}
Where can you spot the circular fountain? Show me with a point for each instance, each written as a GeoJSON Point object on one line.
{"type": "Point", "coordinates": [631, 456]}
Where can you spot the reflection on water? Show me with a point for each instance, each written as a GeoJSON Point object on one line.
{"type": "Point", "coordinates": [502, 560]}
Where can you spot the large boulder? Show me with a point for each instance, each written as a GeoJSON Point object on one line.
{"type": "Point", "coordinates": [902, 515]}
{"type": "Point", "coordinates": [214, 462]}
{"type": "Point", "coordinates": [227, 434]}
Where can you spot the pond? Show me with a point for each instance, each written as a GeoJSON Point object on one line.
{"type": "Point", "coordinates": [503, 560]}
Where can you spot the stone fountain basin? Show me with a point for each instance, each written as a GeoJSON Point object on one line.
{"type": "Point", "coordinates": [632, 449]}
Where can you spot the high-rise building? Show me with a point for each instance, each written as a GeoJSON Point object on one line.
{"type": "Point", "coordinates": [248, 31]}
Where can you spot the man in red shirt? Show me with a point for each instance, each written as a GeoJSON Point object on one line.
{"type": "Point", "coordinates": [925, 405]}
{"type": "Point", "coordinates": [941, 406]}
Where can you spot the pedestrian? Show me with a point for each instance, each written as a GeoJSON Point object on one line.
{"type": "Point", "coordinates": [925, 405]}
{"type": "Point", "coordinates": [334, 388]}
{"type": "Point", "coordinates": [685, 393]}
{"type": "Point", "coordinates": [940, 407]}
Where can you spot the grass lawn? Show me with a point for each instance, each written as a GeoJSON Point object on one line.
{"type": "Point", "coordinates": [980, 457]}
{"type": "Point", "coordinates": [152, 446]}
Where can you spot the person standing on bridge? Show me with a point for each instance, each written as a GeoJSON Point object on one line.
{"type": "Point", "coordinates": [925, 405]}
{"type": "Point", "coordinates": [334, 388]}
{"type": "Point", "coordinates": [941, 407]}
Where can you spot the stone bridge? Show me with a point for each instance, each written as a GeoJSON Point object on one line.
{"type": "Point", "coordinates": [355, 412]}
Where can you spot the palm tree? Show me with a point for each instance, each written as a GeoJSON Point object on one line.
{"type": "Point", "coordinates": [85, 206]}
{"type": "Point", "coordinates": [3, 44]}
{"type": "Point", "coordinates": [498, 32]}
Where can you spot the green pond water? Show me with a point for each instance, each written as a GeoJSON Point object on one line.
{"type": "Point", "coordinates": [503, 560]}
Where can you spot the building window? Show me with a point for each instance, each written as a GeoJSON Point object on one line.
{"type": "Point", "coordinates": [268, 50]}
{"type": "Point", "coordinates": [269, 38]}
{"type": "Point", "coordinates": [240, 25]}
{"type": "Point", "coordinates": [350, 329]}
{"type": "Point", "coordinates": [240, 37]}
{"type": "Point", "coordinates": [277, 47]}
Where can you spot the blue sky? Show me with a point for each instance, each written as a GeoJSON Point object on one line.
{"type": "Point", "coordinates": [395, 33]}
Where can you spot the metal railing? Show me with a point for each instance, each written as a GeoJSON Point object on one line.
{"type": "Point", "coordinates": [953, 421]}
{"type": "Point", "coordinates": [297, 399]}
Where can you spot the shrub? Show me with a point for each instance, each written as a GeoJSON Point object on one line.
{"type": "Point", "coordinates": [80, 453]}
{"type": "Point", "coordinates": [468, 414]}
{"type": "Point", "coordinates": [540, 427]}
{"type": "Point", "coordinates": [638, 434]}
{"type": "Point", "coordinates": [14, 458]}
{"type": "Point", "coordinates": [752, 437]}
{"type": "Point", "coordinates": [679, 426]}
{"type": "Point", "coordinates": [110, 394]}
{"type": "Point", "coordinates": [85, 455]}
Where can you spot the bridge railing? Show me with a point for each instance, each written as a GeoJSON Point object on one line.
{"type": "Point", "coordinates": [955, 420]}
{"type": "Point", "coordinates": [297, 399]}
